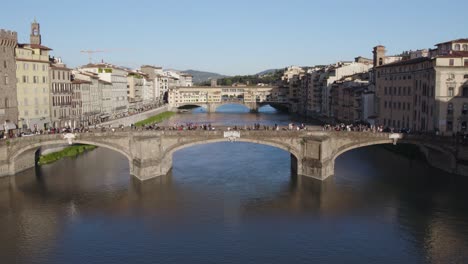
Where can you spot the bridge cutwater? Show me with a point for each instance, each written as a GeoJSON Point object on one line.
{"type": "Point", "coordinates": [313, 153]}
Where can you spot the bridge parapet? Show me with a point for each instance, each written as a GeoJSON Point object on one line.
{"type": "Point", "coordinates": [150, 151]}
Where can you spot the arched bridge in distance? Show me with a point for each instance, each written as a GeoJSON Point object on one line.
{"type": "Point", "coordinates": [252, 106]}
{"type": "Point", "coordinates": [149, 152]}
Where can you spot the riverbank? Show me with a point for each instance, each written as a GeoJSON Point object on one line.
{"type": "Point", "coordinates": [127, 121]}
{"type": "Point", "coordinates": [71, 151]}
{"type": "Point", "coordinates": [155, 119]}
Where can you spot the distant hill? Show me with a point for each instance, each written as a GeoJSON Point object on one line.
{"type": "Point", "coordinates": [201, 76]}
{"type": "Point", "coordinates": [267, 72]}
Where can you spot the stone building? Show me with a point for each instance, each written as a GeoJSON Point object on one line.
{"type": "Point", "coordinates": [349, 100]}
{"type": "Point", "coordinates": [118, 78]}
{"type": "Point", "coordinates": [60, 94]}
{"type": "Point", "coordinates": [92, 103]}
{"type": "Point", "coordinates": [33, 88]}
{"type": "Point", "coordinates": [135, 85]}
{"type": "Point", "coordinates": [427, 94]}
{"type": "Point", "coordinates": [8, 96]}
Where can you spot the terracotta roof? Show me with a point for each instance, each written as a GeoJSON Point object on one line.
{"type": "Point", "coordinates": [455, 54]}
{"type": "Point", "coordinates": [90, 74]}
{"type": "Point", "coordinates": [405, 62]}
{"type": "Point", "coordinates": [33, 46]}
{"type": "Point", "coordinates": [78, 81]}
{"type": "Point", "coordinates": [41, 61]}
{"type": "Point", "coordinates": [462, 40]}
{"type": "Point", "coordinates": [106, 82]}
{"type": "Point", "coordinates": [52, 66]}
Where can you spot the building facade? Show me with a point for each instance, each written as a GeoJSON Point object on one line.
{"type": "Point", "coordinates": [118, 78]}
{"type": "Point", "coordinates": [33, 87]}
{"type": "Point", "coordinates": [427, 94]}
{"type": "Point", "coordinates": [60, 94]}
{"type": "Point", "coordinates": [93, 98]}
{"type": "Point", "coordinates": [8, 95]}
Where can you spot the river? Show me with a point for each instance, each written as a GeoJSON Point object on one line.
{"type": "Point", "coordinates": [234, 203]}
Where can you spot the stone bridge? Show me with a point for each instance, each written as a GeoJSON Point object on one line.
{"type": "Point", "coordinates": [313, 153]}
{"type": "Point", "coordinates": [211, 98]}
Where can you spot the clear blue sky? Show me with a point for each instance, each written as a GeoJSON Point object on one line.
{"type": "Point", "coordinates": [234, 37]}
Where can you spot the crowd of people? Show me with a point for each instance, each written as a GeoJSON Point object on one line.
{"type": "Point", "coordinates": [355, 128]}
{"type": "Point", "coordinates": [198, 126]}
{"type": "Point", "coordinates": [209, 126]}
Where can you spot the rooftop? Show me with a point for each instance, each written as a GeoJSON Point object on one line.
{"type": "Point", "coordinates": [461, 40]}
{"type": "Point", "coordinates": [405, 62]}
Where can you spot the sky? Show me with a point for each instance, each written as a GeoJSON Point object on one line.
{"type": "Point", "coordinates": [233, 37]}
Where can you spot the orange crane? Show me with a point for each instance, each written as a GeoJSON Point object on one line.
{"type": "Point", "coordinates": [91, 52]}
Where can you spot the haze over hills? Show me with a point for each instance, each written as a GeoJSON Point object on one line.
{"type": "Point", "coordinates": [201, 76]}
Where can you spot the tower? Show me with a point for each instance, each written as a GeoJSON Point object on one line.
{"type": "Point", "coordinates": [35, 37]}
{"type": "Point", "coordinates": [379, 55]}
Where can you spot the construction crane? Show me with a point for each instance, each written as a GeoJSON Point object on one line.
{"type": "Point", "coordinates": [90, 53]}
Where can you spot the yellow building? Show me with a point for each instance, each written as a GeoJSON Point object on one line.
{"type": "Point", "coordinates": [32, 71]}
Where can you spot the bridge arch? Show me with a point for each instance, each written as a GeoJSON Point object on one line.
{"type": "Point", "coordinates": [24, 157]}
{"type": "Point", "coordinates": [424, 147]}
{"type": "Point", "coordinates": [166, 161]}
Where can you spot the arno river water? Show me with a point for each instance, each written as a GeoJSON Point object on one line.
{"type": "Point", "coordinates": [235, 203]}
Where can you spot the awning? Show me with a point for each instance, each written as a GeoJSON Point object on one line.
{"type": "Point", "coordinates": [8, 126]}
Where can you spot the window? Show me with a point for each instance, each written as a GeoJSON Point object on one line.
{"type": "Point", "coordinates": [457, 47]}
{"type": "Point", "coordinates": [6, 79]}
{"type": "Point", "coordinates": [465, 47]}
{"type": "Point", "coordinates": [449, 126]}
{"type": "Point", "coordinates": [451, 62]}
{"type": "Point", "coordinates": [465, 76]}
{"type": "Point", "coordinates": [465, 62]}
{"type": "Point", "coordinates": [385, 104]}
{"type": "Point", "coordinates": [380, 61]}
{"type": "Point", "coordinates": [450, 91]}
{"type": "Point", "coordinates": [465, 109]}
{"type": "Point", "coordinates": [386, 90]}
{"type": "Point", "coordinates": [4, 64]}
{"type": "Point", "coordinates": [24, 79]}
{"type": "Point", "coordinates": [465, 92]}
{"type": "Point", "coordinates": [449, 109]}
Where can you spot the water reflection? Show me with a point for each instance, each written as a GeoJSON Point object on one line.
{"type": "Point", "coordinates": [234, 202]}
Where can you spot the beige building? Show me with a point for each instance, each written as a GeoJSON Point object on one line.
{"type": "Point", "coordinates": [92, 98]}
{"type": "Point", "coordinates": [117, 76]}
{"type": "Point", "coordinates": [8, 96]}
{"type": "Point", "coordinates": [33, 89]}
{"type": "Point", "coordinates": [135, 86]}
{"type": "Point", "coordinates": [349, 102]}
{"type": "Point", "coordinates": [60, 94]}
{"type": "Point", "coordinates": [160, 82]}
{"type": "Point", "coordinates": [427, 94]}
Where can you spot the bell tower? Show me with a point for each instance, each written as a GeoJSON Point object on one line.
{"type": "Point", "coordinates": [35, 37]}
{"type": "Point", "coordinates": [379, 55]}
